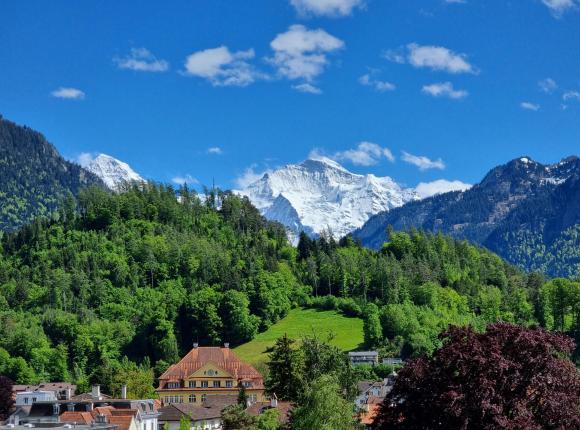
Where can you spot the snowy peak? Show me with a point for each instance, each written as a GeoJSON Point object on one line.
{"type": "Point", "coordinates": [113, 172]}
{"type": "Point", "coordinates": [320, 194]}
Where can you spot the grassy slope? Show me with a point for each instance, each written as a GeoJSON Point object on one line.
{"type": "Point", "coordinates": [348, 333]}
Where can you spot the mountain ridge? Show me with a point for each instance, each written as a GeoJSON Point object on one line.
{"type": "Point", "coordinates": [519, 210]}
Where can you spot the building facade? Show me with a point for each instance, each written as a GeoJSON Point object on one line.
{"type": "Point", "coordinates": [209, 371]}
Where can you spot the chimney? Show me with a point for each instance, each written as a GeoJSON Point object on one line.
{"type": "Point", "coordinates": [226, 345]}
{"type": "Point", "coordinates": [96, 391]}
{"type": "Point", "coordinates": [195, 345]}
{"type": "Point", "coordinates": [68, 393]}
{"type": "Point", "coordinates": [274, 401]}
{"type": "Point", "coordinates": [123, 391]}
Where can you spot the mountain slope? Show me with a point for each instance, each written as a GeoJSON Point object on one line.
{"type": "Point", "coordinates": [114, 173]}
{"type": "Point", "coordinates": [527, 212]}
{"type": "Point", "coordinates": [33, 176]}
{"type": "Point", "coordinates": [320, 194]}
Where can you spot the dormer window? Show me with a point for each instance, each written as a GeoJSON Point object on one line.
{"type": "Point", "coordinates": [173, 385]}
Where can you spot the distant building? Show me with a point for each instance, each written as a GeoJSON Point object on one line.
{"type": "Point", "coordinates": [364, 357]}
{"type": "Point", "coordinates": [206, 372]}
{"type": "Point", "coordinates": [393, 361]}
{"type": "Point", "coordinates": [206, 415]}
{"type": "Point", "coordinates": [284, 409]}
{"type": "Point", "coordinates": [371, 396]}
{"type": "Point", "coordinates": [59, 426]}
{"type": "Point", "coordinates": [92, 408]}
{"type": "Point", "coordinates": [59, 391]}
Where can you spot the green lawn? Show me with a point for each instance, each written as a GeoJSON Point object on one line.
{"type": "Point", "coordinates": [348, 332]}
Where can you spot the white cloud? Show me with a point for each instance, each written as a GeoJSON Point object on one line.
{"type": "Point", "coordinates": [444, 89]}
{"type": "Point", "coordinates": [438, 58]}
{"type": "Point", "coordinates": [326, 7]}
{"type": "Point", "coordinates": [186, 179]}
{"type": "Point", "coordinates": [548, 85]}
{"type": "Point", "coordinates": [300, 53]}
{"type": "Point", "coordinates": [558, 7]}
{"type": "Point", "coordinates": [365, 154]}
{"type": "Point", "coordinates": [440, 186]}
{"type": "Point", "coordinates": [68, 93]}
{"type": "Point", "coordinates": [378, 85]}
{"type": "Point", "coordinates": [530, 106]}
{"type": "Point", "coordinates": [221, 67]}
{"type": "Point", "coordinates": [422, 162]}
{"type": "Point", "coordinates": [432, 57]}
{"type": "Point", "coordinates": [307, 88]}
{"type": "Point", "coordinates": [248, 177]}
{"type": "Point", "coordinates": [142, 60]}
{"type": "Point", "coordinates": [216, 150]}
{"type": "Point", "coordinates": [85, 158]}
{"type": "Point", "coordinates": [571, 95]}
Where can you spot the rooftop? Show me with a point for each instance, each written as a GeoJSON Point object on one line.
{"type": "Point", "coordinates": [198, 357]}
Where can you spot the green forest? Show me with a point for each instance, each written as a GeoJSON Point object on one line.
{"type": "Point", "coordinates": [115, 287]}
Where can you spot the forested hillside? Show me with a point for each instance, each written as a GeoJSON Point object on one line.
{"type": "Point", "coordinates": [34, 178]}
{"type": "Point", "coordinates": [115, 287]}
{"type": "Point", "coordinates": [527, 212]}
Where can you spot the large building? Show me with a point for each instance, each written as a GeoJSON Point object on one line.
{"type": "Point", "coordinates": [209, 371]}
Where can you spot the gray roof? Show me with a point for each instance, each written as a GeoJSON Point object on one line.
{"type": "Point", "coordinates": [363, 353]}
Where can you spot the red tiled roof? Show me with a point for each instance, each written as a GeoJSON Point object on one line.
{"type": "Point", "coordinates": [76, 417]}
{"type": "Point", "coordinates": [200, 356]}
{"type": "Point", "coordinates": [123, 421]}
{"type": "Point", "coordinates": [367, 418]}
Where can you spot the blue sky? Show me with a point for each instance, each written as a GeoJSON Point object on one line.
{"type": "Point", "coordinates": [219, 89]}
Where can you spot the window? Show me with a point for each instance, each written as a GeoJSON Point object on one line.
{"type": "Point", "coordinates": [204, 384]}
{"type": "Point", "coordinates": [192, 398]}
{"type": "Point", "coordinates": [173, 385]}
{"type": "Point", "coordinates": [192, 384]}
{"type": "Point", "coordinates": [229, 384]}
{"type": "Point", "coordinates": [203, 397]}
{"type": "Point", "coordinates": [217, 384]}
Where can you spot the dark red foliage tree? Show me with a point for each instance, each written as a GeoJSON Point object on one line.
{"type": "Point", "coordinates": [509, 377]}
{"type": "Point", "coordinates": [6, 400]}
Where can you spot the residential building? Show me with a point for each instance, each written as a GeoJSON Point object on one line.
{"type": "Point", "coordinates": [284, 409]}
{"type": "Point", "coordinates": [59, 390]}
{"type": "Point", "coordinates": [206, 372]}
{"type": "Point", "coordinates": [371, 396]}
{"type": "Point", "coordinates": [91, 408]}
{"type": "Point", "coordinates": [26, 398]}
{"type": "Point", "coordinates": [204, 416]}
{"type": "Point", "coordinates": [60, 426]}
{"type": "Point", "coordinates": [364, 357]}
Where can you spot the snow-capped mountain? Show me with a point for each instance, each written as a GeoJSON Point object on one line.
{"type": "Point", "coordinates": [319, 194]}
{"type": "Point", "coordinates": [113, 172]}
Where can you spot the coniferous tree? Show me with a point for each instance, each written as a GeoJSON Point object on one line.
{"type": "Point", "coordinates": [284, 370]}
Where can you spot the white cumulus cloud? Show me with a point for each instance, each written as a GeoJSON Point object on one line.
{"type": "Point", "coordinates": [571, 95]}
{"type": "Point", "coordinates": [440, 186]}
{"type": "Point", "coordinates": [85, 158]}
{"type": "Point", "coordinates": [432, 57]}
{"type": "Point", "coordinates": [444, 89]}
{"type": "Point", "coordinates": [216, 150]}
{"type": "Point", "coordinates": [307, 88]}
{"type": "Point", "coordinates": [185, 179]}
{"type": "Point", "coordinates": [249, 176]}
{"type": "Point", "coordinates": [559, 7]}
{"type": "Point", "coordinates": [530, 106]}
{"type": "Point", "coordinates": [548, 85]}
{"type": "Point", "coordinates": [381, 86]}
{"type": "Point", "coordinates": [422, 162]}
{"type": "Point", "coordinates": [142, 60]}
{"type": "Point", "coordinates": [68, 93]}
{"type": "Point", "coordinates": [221, 67]}
{"type": "Point", "coordinates": [326, 7]}
{"type": "Point", "coordinates": [301, 53]}
{"type": "Point", "coordinates": [365, 154]}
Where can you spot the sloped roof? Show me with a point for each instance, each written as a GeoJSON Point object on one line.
{"type": "Point", "coordinates": [200, 356]}
{"type": "Point", "coordinates": [123, 422]}
{"type": "Point", "coordinates": [45, 386]}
